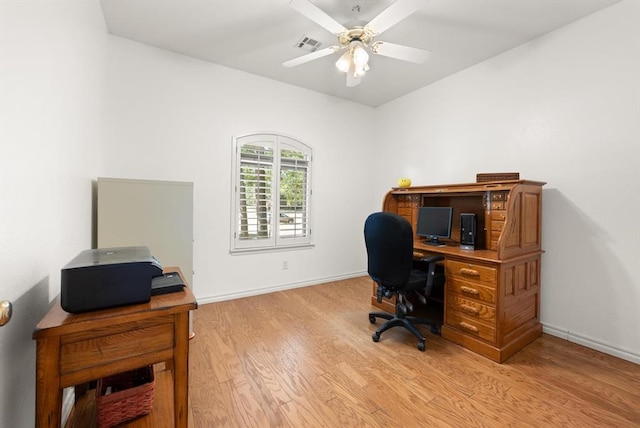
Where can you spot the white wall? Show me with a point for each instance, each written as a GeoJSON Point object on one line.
{"type": "Point", "coordinates": [51, 128]}
{"type": "Point", "coordinates": [565, 109]}
{"type": "Point", "coordinates": [562, 108]}
{"type": "Point", "coordinates": [173, 118]}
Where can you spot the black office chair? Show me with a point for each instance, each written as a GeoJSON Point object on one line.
{"type": "Point", "coordinates": [389, 241]}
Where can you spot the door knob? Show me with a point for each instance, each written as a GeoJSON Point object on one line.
{"type": "Point", "coordinates": [5, 311]}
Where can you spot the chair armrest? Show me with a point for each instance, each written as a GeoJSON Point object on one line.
{"type": "Point", "coordinates": [432, 259]}
{"type": "Point", "coordinates": [431, 270]}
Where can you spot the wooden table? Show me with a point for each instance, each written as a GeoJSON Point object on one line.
{"type": "Point", "coordinates": [73, 349]}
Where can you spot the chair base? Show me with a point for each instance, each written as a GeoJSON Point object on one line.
{"type": "Point", "coordinates": [407, 322]}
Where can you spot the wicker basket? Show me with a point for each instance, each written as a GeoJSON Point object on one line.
{"type": "Point", "coordinates": [124, 396]}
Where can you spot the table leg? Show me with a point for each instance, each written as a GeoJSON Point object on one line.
{"type": "Point", "coordinates": [48, 392]}
{"type": "Point", "coordinates": [181, 369]}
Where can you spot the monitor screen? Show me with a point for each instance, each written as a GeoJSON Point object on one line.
{"type": "Point", "coordinates": [434, 223]}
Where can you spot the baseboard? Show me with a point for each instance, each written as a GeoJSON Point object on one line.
{"type": "Point", "coordinates": [589, 342]}
{"type": "Point", "coordinates": [281, 287]}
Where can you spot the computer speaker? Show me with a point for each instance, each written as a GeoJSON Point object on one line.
{"type": "Point", "coordinates": [467, 231]}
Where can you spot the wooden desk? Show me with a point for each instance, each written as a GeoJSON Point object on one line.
{"type": "Point", "coordinates": [492, 298]}
{"type": "Point", "coordinates": [76, 348]}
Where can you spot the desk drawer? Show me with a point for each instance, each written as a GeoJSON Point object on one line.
{"type": "Point", "coordinates": [472, 290]}
{"type": "Point", "coordinates": [470, 323]}
{"type": "Point", "coordinates": [126, 341]}
{"type": "Point", "coordinates": [471, 327]}
{"type": "Point", "coordinates": [405, 212]}
{"type": "Point", "coordinates": [495, 234]}
{"type": "Point", "coordinates": [471, 272]}
{"type": "Point", "coordinates": [498, 219]}
{"type": "Point", "coordinates": [498, 196]}
{"type": "Point", "coordinates": [498, 215]}
{"type": "Point", "coordinates": [495, 237]}
{"type": "Point", "coordinates": [477, 311]}
{"type": "Point", "coordinates": [496, 228]}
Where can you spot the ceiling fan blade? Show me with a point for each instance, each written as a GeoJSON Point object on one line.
{"type": "Point", "coordinates": [311, 56]}
{"type": "Point", "coordinates": [315, 14]}
{"type": "Point", "coordinates": [402, 52]}
{"type": "Point", "coordinates": [393, 14]}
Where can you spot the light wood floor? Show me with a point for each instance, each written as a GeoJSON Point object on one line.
{"type": "Point", "coordinates": [305, 358]}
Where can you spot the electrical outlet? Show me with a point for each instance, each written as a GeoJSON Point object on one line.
{"type": "Point", "coordinates": [285, 265]}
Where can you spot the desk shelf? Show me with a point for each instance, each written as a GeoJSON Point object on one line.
{"type": "Point", "coordinates": [84, 410]}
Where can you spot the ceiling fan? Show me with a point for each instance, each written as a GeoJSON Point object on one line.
{"type": "Point", "coordinates": [356, 40]}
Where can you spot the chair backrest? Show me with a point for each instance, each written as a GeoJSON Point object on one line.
{"type": "Point", "coordinates": [389, 241]}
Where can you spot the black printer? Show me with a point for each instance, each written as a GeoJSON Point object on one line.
{"type": "Point", "coordinates": [107, 277]}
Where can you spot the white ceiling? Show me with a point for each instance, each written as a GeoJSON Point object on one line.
{"type": "Point", "coordinates": [256, 36]}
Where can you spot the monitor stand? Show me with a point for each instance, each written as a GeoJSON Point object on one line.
{"type": "Point", "coordinates": [433, 242]}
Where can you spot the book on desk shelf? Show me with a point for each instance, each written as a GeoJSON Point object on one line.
{"type": "Point", "coordinates": [169, 282]}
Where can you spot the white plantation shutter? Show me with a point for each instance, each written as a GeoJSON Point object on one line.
{"type": "Point", "coordinates": [254, 192]}
{"type": "Point", "coordinates": [294, 190]}
{"type": "Point", "coordinates": [271, 192]}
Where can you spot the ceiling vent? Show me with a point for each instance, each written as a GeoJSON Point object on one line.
{"type": "Point", "coordinates": [308, 44]}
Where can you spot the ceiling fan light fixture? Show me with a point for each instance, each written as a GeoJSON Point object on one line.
{"type": "Point", "coordinates": [355, 60]}
{"type": "Point", "coordinates": [344, 62]}
{"type": "Point", "coordinates": [360, 71]}
{"type": "Point", "coordinates": [360, 56]}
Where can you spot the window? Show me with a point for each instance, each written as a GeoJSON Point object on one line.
{"type": "Point", "coordinates": [271, 193]}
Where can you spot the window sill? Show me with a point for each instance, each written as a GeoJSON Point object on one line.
{"type": "Point", "coordinates": [242, 251]}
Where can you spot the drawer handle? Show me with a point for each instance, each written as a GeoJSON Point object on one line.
{"type": "Point", "coordinates": [469, 290]}
{"type": "Point", "coordinates": [472, 272]}
{"type": "Point", "coordinates": [470, 309]}
{"type": "Point", "coordinates": [469, 327]}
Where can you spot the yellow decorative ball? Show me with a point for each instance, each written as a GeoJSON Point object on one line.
{"type": "Point", "coordinates": [404, 182]}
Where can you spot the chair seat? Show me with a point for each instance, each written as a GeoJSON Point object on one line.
{"type": "Point", "coordinates": [417, 280]}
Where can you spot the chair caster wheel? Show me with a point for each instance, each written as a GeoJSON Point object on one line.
{"type": "Point", "coordinates": [435, 329]}
{"type": "Point", "coordinates": [421, 346]}
{"type": "Point", "coordinates": [375, 337]}
{"type": "Point", "coordinates": [372, 319]}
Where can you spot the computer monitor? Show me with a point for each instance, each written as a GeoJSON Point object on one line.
{"type": "Point", "coordinates": [434, 223]}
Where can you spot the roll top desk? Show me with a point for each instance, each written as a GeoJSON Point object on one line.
{"type": "Point", "coordinates": [492, 298]}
